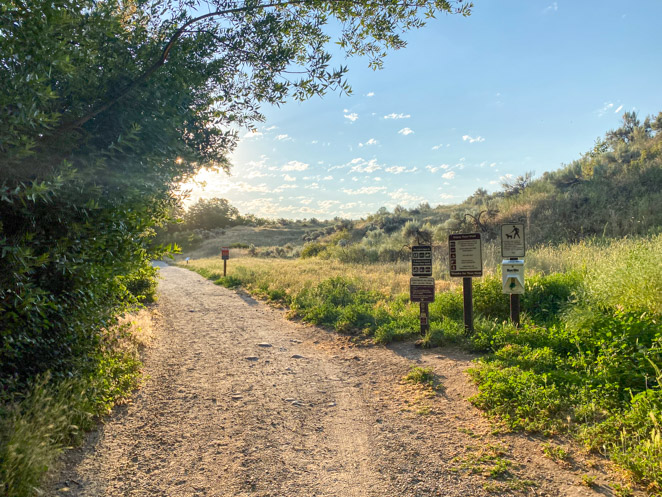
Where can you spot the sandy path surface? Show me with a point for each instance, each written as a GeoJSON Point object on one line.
{"type": "Point", "coordinates": [239, 401]}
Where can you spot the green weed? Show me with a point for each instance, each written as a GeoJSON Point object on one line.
{"type": "Point", "coordinates": [420, 376]}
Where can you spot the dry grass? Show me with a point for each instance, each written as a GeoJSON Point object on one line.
{"type": "Point", "coordinates": [295, 274]}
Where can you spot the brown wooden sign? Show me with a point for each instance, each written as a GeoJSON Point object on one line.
{"type": "Point", "coordinates": [421, 289]}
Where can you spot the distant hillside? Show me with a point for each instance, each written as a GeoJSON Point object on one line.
{"type": "Point", "coordinates": [614, 190]}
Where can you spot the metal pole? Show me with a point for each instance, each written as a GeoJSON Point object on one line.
{"type": "Point", "coordinates": [514, 309]}
{"type": "Point", "coordinates": [225, 267]}
{"type": "Point", "coordinates": [425, 319]}
{"type": "Point", "coordinates": [468, 305]}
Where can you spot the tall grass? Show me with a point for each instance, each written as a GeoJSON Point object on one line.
{"type": "Point", "coordinates": [36, 427]}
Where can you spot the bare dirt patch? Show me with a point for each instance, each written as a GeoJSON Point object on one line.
{"type": "Point", "coordinates": [239, 401]}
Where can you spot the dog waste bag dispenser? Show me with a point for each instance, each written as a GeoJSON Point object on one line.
{"type": "Point", "coordinates": [512, 273]}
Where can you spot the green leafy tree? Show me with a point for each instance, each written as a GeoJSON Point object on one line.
{"type": "Point", "coordinates": [107, 106]}
{"type": "Point", "coordinates": [210, 214]}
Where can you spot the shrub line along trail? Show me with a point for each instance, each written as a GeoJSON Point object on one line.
{"type": "Point", "coordinates": [238, 401]}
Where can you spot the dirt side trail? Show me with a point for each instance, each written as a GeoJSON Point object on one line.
{"type": "Point", "coordinates": [239, 401]}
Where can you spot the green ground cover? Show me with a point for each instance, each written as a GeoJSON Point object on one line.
{"type": "Point", "coordinates": [586, 360]}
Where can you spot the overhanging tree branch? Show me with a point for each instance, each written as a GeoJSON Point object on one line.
{"type": "Point", "coordinates": [162, 60]}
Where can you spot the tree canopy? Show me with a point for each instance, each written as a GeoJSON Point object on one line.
{"type": "Point", "coordinates": [107, 105]}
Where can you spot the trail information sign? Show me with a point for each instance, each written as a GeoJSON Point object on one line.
{"type": "Point", "coordinates": [225, 253]}
{"type": "Point", "coordinates": [421, 289]}
{"type": "Point", "coordinates": [421, 260]}
{"type": "Point", "coordinates": [465, 255]}
{"type": "Point", "coordinates": [512, 240]}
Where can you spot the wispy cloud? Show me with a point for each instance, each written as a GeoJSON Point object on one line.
{"type": "Point", "coordinates": [287, 177]}
{"type": "Point", "coordinates": [393, 115]}
{"type": "Point", "coordinates": [608, 106]}
{"type": "Point", "coordinates": [553, 7]}
{"type": "Point", "coordinates": [441, 145]}
{"type": "Point", "coordinates": [352, 116]}
{"type": "Point", "coordinates": [620, 107]}
{"type": "Point", "coordinates": [370, 94]}
{"type": "Point", "coordinates": [371, 141]}
{"type": "Point", "coordinates": [448, 175]}
{"type": "Point", "coordinates": [284, 137]}
{"type": "Point", "coordinates": [404, 197]}
{"type": "Point", "coordinates": [400, 169]}
{"type": "Point", "coordinates": [405, 131]}
{"type": "Point", "coordinates": [294, 165]}
{"type": "Point", "coordinates": [252, 134]}
{"type": "Point", "coordinates": [283, 187]}
{"type": "Point", "coordinates": [471, 139]}
{"type": "Point", "coordinates": [434, 169]}
{"type": "Point", "coordinates": [360, 165]}
{"type": "Point", "coordinates": [366, 190]}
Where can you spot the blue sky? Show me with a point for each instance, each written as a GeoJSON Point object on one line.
{"type": "Point", "coordinates": [520, 85]}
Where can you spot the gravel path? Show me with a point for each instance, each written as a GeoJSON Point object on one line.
{"type": "Point", "coordinates": [239, 401]}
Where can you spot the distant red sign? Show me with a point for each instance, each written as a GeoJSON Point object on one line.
{"type": "Point", "coordinates": [225, 253]}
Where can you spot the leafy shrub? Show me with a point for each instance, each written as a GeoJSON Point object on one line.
{"type": "Point", "coordinates": [311, 250]}
{"type": "Point", "coordinates": [547, 295]}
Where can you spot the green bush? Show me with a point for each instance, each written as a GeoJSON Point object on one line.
{"type": "Point", "coordinates": [312, 250]}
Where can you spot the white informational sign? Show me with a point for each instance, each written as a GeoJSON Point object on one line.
{"type": "Point", "coordinates": [465, 255]}
{"type": "Point", "coordinates": [421, 260]}
{"type": "Point", "coordinates": [512, 274]}
{"type": "Point", "coordinates": [512, 240]}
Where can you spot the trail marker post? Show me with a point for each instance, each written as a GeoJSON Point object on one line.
{"type": "Point", "coordinates": [465, 255]}
{"type": "Point", "coordinates": [421, 283]}
{"type": "Point", "coordinates": [513, 250]}
{"type": "Point", "coordinates": [225, 255]}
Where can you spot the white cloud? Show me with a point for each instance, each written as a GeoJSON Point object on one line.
{"type": "Point", "coordinates": [254, 174]}
{"type": "Point", "coordinates": [305, 200]}
{"type": "Point", "coordinates": [270, 128]}
{"type": "Point", "coordinates": [287, 177]}
{"type": "Point", "coordinates": [404, 197]}
{"type": "Point", "coordinates": [605, 108]}
{"type": "Point", "coordinates": [294, 165]}
{"type": "Point", "coordinates": [352, 116]}
{"type": "Point", "coordinates": [360, 165]}
{"type": "Point", "coordinates": [448, 175]}
{"type": "Point", "coordinates": [405, 131]}
{"type": "Point", "coordinates": [473, 140]}
{"type": "Point", "coordinates": [282, 188]}
{"type": "Point", "coordinates": [366, 190]}
{"type": "Point", "coordinates": [393, 115]}
{"type": "Point", "coordinates": [327, 204]}
{"type": "Point", "coordinates": [252, 134]}
{"type": "Point", "coordinates": [553, 7]}
{"type": "Point", "coordinates": [313, 186]}
{"type": "Point", "coordinates": [284, 137]}
{"type": "Point", "coordinates": [447, 196]}
{"type": "Point", "coordinates": [370, 94]}
{"type": "Point", "coordinates": [371, 141]}
{"type": "Point", "coordinates": [620, 107]}
{"type": "Point", "coordinates": [434, 169]}
{"type": "Point", "coordinates": [400, 169]}
{"type": "Point", "coordinates": [327, 178]}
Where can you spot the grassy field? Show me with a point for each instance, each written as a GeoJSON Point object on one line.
{"type": "Point", "coordinates": [586, 361]}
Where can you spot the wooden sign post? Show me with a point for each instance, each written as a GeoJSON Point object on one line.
{"type": "Point", "coordinates": [466, 261]}
{"type": "Point", "coordinates": [421, 284]}
{"type": "Point", "coordinates": [225, 255]}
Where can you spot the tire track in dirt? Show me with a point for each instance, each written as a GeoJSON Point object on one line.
{"type": "Point", "coordinates": [238, 401]}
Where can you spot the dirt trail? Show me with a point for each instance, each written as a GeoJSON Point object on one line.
{"type": "Point", "coordinates": [240, 402]}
